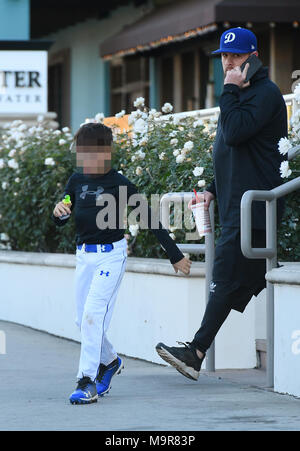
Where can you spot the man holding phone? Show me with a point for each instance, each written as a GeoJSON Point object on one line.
{"type": "Point", "coordinates": [252, 120]}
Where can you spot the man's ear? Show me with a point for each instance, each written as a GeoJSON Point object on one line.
{"type": "Point", "coordinates": [255, 53]}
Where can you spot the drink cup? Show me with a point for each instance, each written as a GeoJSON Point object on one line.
{"type": "Point", "coordinates": [202, 218]}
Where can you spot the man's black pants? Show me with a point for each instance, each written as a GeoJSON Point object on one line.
{"type": "Point", "coordinates": [235, 280]}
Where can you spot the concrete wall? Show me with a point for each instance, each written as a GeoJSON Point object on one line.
{"type": "Point", "coordinates": [89, 80]}
{"type": "Point", "coordinates": [286, 328]}
{"type": "Point", "coordinates": [154, 304]}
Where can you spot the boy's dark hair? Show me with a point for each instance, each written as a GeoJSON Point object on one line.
{"type": "Point", "coordinates": [92, 134]}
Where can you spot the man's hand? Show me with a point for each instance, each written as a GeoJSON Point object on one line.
{"type": "Point", "coordinates": [237, 77]}
{"type": "Point", "coordinates": [184, 265]}
{"type": "Point", "coordinates": [61, 209]}
{"type": "Point", "coordinates": [206, 196]}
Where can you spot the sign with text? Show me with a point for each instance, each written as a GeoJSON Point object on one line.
{"type": "Point", "coordinates": [23, 81]}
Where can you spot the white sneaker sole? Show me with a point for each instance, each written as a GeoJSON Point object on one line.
{"type": "Point", "coordinates": [187, 371]}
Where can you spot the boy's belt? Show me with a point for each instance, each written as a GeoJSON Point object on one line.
{"type": "Point", "coordinates": [96, 247]}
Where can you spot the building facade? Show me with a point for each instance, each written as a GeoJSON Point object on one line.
{"type": "Point", "coordinates": [102, 56]}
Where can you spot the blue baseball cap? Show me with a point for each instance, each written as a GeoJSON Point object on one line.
{"type": "Point", "coordinates": [237, 40]}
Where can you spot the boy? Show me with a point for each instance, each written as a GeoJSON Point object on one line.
{"type": "Point", "coordinates": [100, 256]}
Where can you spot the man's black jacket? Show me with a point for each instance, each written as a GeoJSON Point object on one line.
{"type": "Point", "coordinates": [245, 153]}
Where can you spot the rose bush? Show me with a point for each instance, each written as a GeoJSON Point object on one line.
{"type": "Point", "coordinates": [163, 153]}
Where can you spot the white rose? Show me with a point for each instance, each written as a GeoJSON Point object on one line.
{"type": "Point", "coordinates": [284, 146]}
{"type": "Point", "coordinates": [162, 156]}
{"type": "Point", "coordinates": [180, 159]}
{"type": "Point", "coordinates": [133, 229]}
{"type": "Point", "coordinates": [65, 130]}
{"type": "Point", "coordinates": [13, 164]}
{"type": "Point", "coordinates": [1, 163]}
{"type": "Point", "coordinates": [201, 183]}
{"type": "Point", "coordinates": [176, 152]}
{"type": "Point", "coordinates": [198, 171]}
{"type": "Point", "coordinates": [297, 93]}
{"type": "Point", "coordinates": [143, 141]}
{"type": "Point", "coordinates": [133, 158]}
{"type": "Point", "coordinates": [167, 108]}
{"type": "Point", "coordinates": [285, 170]}
{"type": "Point", "coordinates": [139, 102]}
{"type": "Point", "coordinates": [99, 117]}
{"type": "Point", "coordinates": [174, 142]}
{"type": "Point", "coordinates": [22, 127]}
{"type": "Point", "coordinates": [198, 123]}
{"type": "Point", "coordinates": [139, 170]}
{"type": "Point", "coordinates": [57, 132]}
{"type": "Point", "coordinates": [140, 126]}
{"type": "Point", "coordinates": [189, 145]}
{"type": "Point", "coordinates": [4, 185]}
{"type": "Point", "coordinates": [61, 142]}
{"type": "Point", "coordinates": [12, 152]}
{"type": "Point", "coordinates": [121, 114]}
{"type": "Point", "coordinates": [17, 180]}
{"type": "Point", "coordinates": [141, 155]}
{"type": "Point", "coordinates": [49, 162]}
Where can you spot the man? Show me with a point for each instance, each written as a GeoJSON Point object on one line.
{"type": "Point", "coordinates": [245, 156]}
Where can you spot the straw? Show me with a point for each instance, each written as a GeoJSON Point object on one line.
{"type": "Point", "coordinates": [197, 198]}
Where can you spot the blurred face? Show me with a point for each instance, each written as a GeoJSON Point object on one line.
{"type": "Point", "coordinates": [232, 60]}
{"type": "Point", "coordinates": [94, 159]}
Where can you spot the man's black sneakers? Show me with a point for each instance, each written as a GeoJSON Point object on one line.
{"type": "Point", "coordinates": [185, 360]}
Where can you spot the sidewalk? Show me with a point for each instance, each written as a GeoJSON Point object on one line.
{"type": "Point", "coordinates": [38, 372]}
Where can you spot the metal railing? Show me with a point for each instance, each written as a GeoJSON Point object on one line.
{"type": "Point", "coordinates": [208, 113]}
{"type": "Point", "coordinates": [270, 252]}
{"type": "Point", "coordinates": [207, 249]}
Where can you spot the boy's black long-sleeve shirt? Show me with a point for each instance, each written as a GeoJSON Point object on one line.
{"type": "Point", "coordinates": [245, 153]}
{"type": "Point", "coordinates": [87, 191]}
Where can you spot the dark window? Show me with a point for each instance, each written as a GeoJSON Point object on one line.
{"type": "Point", "coordinates": [188, 81]}
{"type": "Point", "coordinates": [59, 86]}
{"type": "Point", "coordinates": [55, 90]}
{"type": "Point", "coordinates": [129, 79]}
{"type": "Point", "coordinates": [167, 80]}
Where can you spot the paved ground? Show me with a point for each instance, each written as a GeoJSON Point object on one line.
{"type": "Point", "coordinates": [38, 371]}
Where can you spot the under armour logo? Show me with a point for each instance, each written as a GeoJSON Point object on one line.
{"type": "Point", "coordinates": [106, 273]}
{"type": "Point", "coordinates": [229, 37]}
{"type": "Point", "coordinates": [212, 287]}
{"type": "Point", "coordinates": [85, 191]}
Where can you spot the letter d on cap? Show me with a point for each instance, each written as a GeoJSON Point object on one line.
{"type": "Point", "coordinates": [2, 342]}
{"type": "Point", "coordinates": [229, 37]}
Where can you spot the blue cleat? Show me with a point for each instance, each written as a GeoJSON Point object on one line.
{"type": "Point", "coordinates": [105, 374]}
{"type": "Point", "coordinates": [85, 393]}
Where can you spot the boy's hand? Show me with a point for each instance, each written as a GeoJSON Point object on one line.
{"type": "Point", "coordinates": [184, 265]}
{"type": "Point", "coordinates": [61, 209]}
{"type": "Point", "coordinates": [207, 196]}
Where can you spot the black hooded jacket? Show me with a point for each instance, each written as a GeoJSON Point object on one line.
{"type": "Point", "coordinates": [245, 153]}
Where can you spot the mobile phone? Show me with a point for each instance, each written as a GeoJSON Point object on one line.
{"type": "Point", "coordinates": [254, 64]}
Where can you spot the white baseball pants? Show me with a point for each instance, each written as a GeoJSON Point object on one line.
{"type": "Point", "coordinates": [98, 278]}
